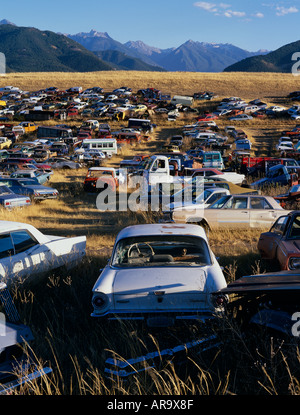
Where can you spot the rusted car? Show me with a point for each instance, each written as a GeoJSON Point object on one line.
{"type": "Point", "coordinates": [106, 175]}
{"type": "Point", "coordinates": [282, 242]}
{"type": "Point", "coordinates": [269, 301]}
{"type": "Point", "coordinates": [293, 195]}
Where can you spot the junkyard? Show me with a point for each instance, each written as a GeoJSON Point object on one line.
{"type": "Point", "coordinates": [150, 238]}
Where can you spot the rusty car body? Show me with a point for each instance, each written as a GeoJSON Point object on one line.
{"type": "Point", "coordinates": [282, 242]}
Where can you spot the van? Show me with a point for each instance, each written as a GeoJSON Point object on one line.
{"type": "Point", "coordinates": [108, 146]}
{"type": "Point", "coordinates": [213, 159]}
{"type": "Point", "coordinates": [182, 100]}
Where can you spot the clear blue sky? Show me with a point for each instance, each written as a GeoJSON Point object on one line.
{"type": "Point", "coordinates": [251, 25]}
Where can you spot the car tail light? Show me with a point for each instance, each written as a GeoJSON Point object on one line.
{"type": "Point", "coordinates": [100, 300]}
{"type": "Point", "coordinates": [294, 263]}
{"type": "Point", "coordinates": [7, 203]}
{"type": "Point", "coordinates": [219, 300]}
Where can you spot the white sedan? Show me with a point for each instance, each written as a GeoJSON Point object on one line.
{"type": "Point", "coordinates": [239, 211]}
{"type": "Point", "coordinates": [159, 273]}
{"type": "Point", "coordinates": [285, 146]}
{"type": "Point", "coordinates": [25, 251]}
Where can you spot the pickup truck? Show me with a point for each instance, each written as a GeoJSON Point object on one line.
{"type": "Point", "coordinates": [279, 175]}
{"type": "Point", "coordinates": [157, 170]}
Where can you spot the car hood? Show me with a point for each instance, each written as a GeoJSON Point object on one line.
{"type": "Point", "coordinates": [258, 182]}
{"type": "Point", "coordinates": [187, 206]}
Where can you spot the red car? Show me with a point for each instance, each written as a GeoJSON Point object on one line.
{"type": "Point", "coordinates": [282, 242]}
{"type": "Point", "coordinates": [208, 117]}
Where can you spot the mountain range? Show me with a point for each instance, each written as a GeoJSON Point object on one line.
{"type": "Point", "coordinates": [191, 56]}
{"type": "Point", "coordinates": [28, 49]}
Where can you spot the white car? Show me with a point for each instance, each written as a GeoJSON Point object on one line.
{"type": "Point", "coordinates": [239, 211]}
{"type": "Point", "coordinates": [241, 117]}
{"type": "Point", "coordinates": [159, 273]}
{"type": "Point", "coordinates": [285, 146]}
{"type": "Point", "coordinates": [25, 251]}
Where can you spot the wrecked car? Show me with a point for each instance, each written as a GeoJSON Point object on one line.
{"type": "Point", "coordinates": [16, 366]}
{"type": "Point", "coordinates": [269, 301]}
{"type": "Point", "coordinates": [233, 212]}
{"type": "Point", "coordinates": [282, 242]}
{"type": "Point", "coordinates": [293, 195]}
{"type": "Point", "coordinates": [159, 273]}
{"type": "Point", "coordinates": [26, 252]}
{"type": "Point", "coordinates": [98, 178]}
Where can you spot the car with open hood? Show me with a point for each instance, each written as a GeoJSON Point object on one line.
{"type": "Point", "coordinates": [159, 273]}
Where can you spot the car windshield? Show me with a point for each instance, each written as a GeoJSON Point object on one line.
{"type": "Point", "coordinates": [219, 203]}
{"type": "Point", "coordinates": [294, 232]}
{"type": "Point", "coordinates": [167, 250]}
{"type": "Point", "coordinates": [5, 191]}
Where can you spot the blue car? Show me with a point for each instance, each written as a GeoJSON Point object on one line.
{"type": "Point", "coordinates": [30, 188]}
{"type": "Point", "coordinates": [42, 177]}
{"type": "Point", "coordinates": [9, 199]}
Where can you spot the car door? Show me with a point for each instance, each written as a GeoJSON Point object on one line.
{"type": "Point", "coordinates": [22, 255]}
{"type": "Point", "coordinates": [262, 214]}
{"type": "Point", "coordinates": [269, 241]}
{"type": "Point", "coordinates": [235, 213]}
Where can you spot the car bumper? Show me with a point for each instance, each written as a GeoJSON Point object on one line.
{"type": "Point", "coordinates": [158, 318]}
{"type": "Point", "coordinates": [45, 196]}
{"type": "Point", "coordinates": [8, 387]}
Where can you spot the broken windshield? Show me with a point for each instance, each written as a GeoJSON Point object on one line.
{"type": "Point", "coordinates": [166, 250]}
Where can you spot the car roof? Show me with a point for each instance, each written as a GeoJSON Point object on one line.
{"type": "Point", "coordinates": [162, 229]}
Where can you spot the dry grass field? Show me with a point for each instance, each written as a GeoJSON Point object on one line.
{"type": "Point", "coordinates": [247, 85]}
{"type": "Point", "coordinates": [58, 307]}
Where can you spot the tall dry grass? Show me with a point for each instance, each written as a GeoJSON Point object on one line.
{"type": "Point", "coordinates": [248, 85]}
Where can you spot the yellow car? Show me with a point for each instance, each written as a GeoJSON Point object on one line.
{"type": "Point", "coordinates": [5, 142]}
{"type": "Point", "coordinates": [28, 126]}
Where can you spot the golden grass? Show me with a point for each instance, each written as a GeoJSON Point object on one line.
{"type": "Point", "coordinates": [246, 85]}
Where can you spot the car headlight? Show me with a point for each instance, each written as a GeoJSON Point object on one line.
{"type": "Point", "coordinates": [100, 301]}
{"type": "Point", "coordinates": [294, 263]}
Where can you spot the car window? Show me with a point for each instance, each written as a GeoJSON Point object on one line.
{"type": "Point", "coordinates": [295, 228]}
{"type": "Point", "coordinates": [22, 241]}
{"type": "Point", "coordinates": [279, 225]}
{"type": "Point", "coordinates": [237, 202]}
{"type": "Point", "coordinates": [221, 202]}
{"type": "Point", "coordinates": [214, 197]}
{"type": "Point", "coordinates": [6, 246]}
{"type": "Point", "coordinates": [259, 203]}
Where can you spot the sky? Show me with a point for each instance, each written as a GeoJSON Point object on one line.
{"type": "Point", "coordinates": [250, 25]}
